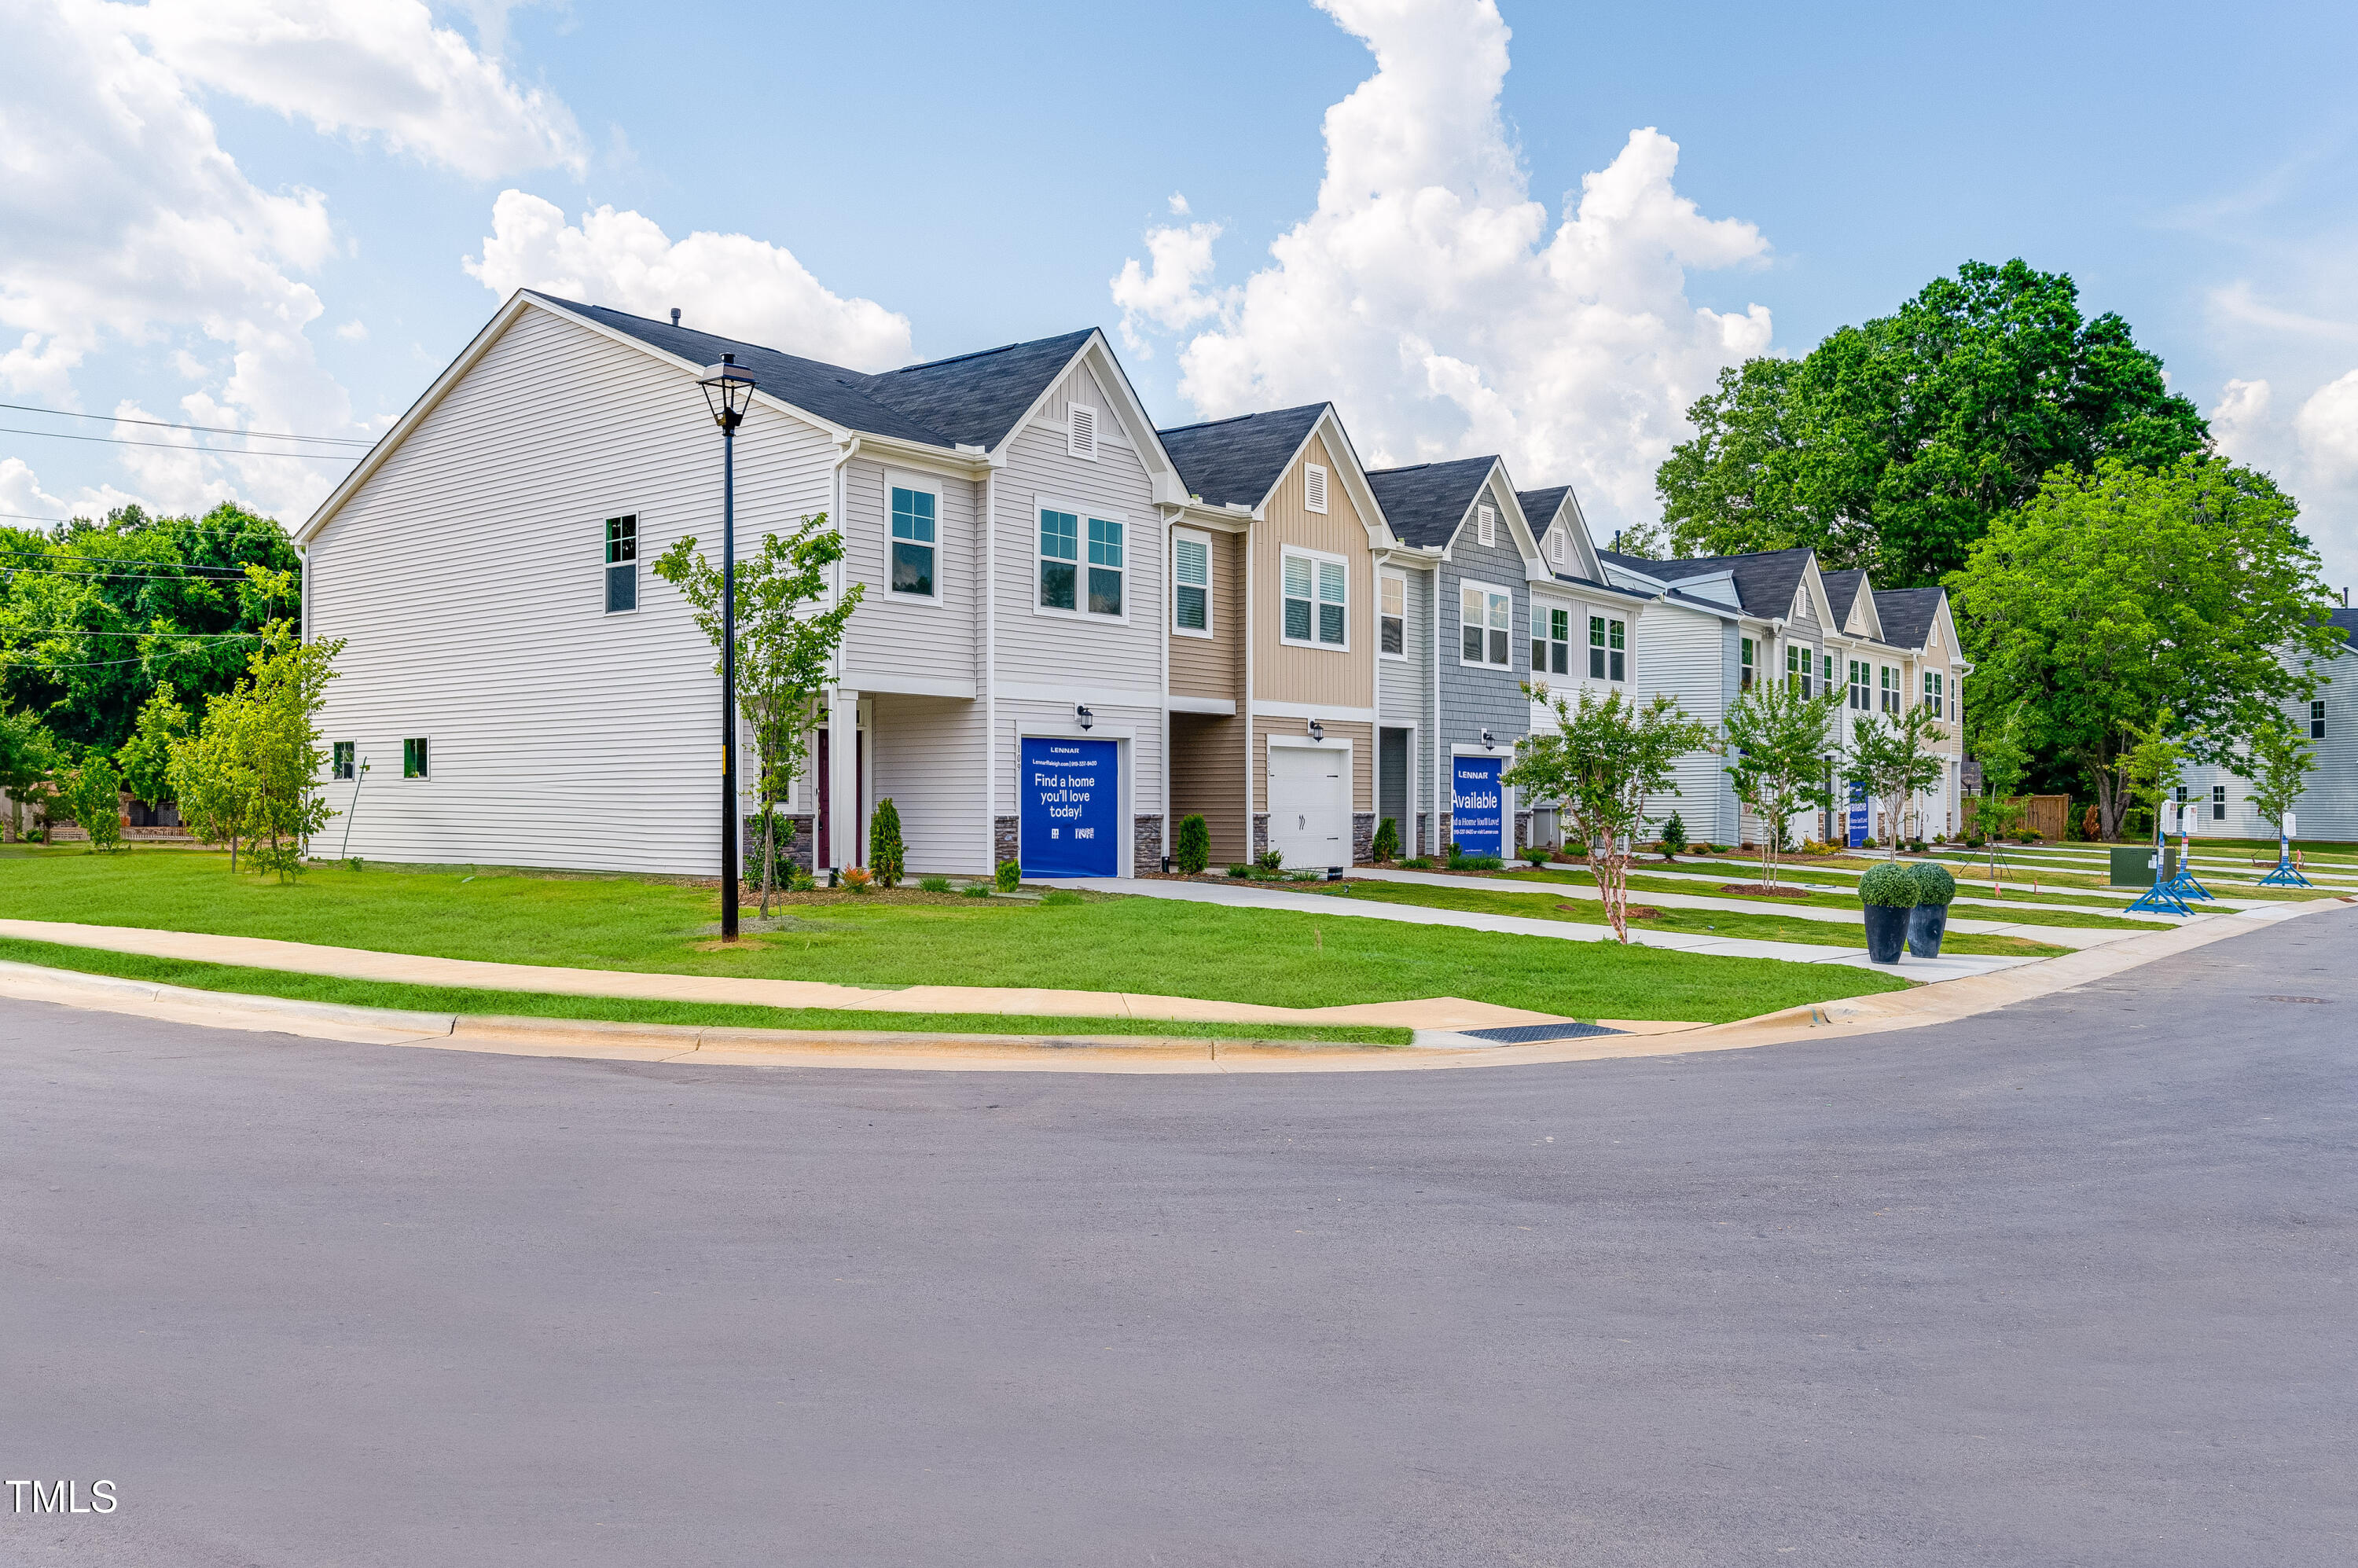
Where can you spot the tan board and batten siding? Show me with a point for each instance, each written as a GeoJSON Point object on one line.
{"type": "Point", "coordinates": [467, 574]}
{"type": "Point", "coordinates": [1287, 671]}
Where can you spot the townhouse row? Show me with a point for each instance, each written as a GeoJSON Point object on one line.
{"type": "Point", "coordinates": [1074, 630]}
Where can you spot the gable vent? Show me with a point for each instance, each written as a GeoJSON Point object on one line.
{"type": "Point", "coordinates": [1486, 525]}
{"type": "Point", "coordinates": [1314, 488]}
{"type": "Point", "coordinates": [1559, 545]}
{"type": "Point", "coordinates": [1081, 431]}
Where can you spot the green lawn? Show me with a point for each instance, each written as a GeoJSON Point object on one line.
{"type": "Point", "coordinates": [630, 1009]}
{"type": "Point", "coordinates": [1098, 944]}
{"type": "Point", "coordinates": [1691, 922]}
{"type": "Point", "coordinates": [1841, 896]}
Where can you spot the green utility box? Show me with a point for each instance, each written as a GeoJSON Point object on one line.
{"type": "Point", "coordinates": [2133, 865]}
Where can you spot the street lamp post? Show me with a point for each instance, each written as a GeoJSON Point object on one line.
{"type": "Point", "coordinates": [728, 392]}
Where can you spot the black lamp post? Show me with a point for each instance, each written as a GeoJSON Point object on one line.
{"type": "Point", "coordinates": [728, 392]}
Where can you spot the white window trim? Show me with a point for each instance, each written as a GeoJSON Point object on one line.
{"type": "Point", "coordinates": [1096, 418]}
{"type": "Point", "coordinates": [1512, 625]}
{"type": "Point", "coordinates": [1081, 585]}
{"type": "Point", "coordinates": [335, 777]}
{"type": "Point", "coordinates": [425, 777]}
{"type": "Point", "coordinates": [1575, 620]}
{"type": "Point", "coordinates": [1313, 556]}
{"type": "Point", "coordinates": [1325, 479]}
{"type": "Point", "coordinates": [1629, 645]}
{"type": "Point", "coordinates": [638, 547]}
{"type": "Point", "coordinates": [896, 479]}
{"type": "Point", "coordinates": [1401, 657]}
{"type": "Point", "coordinates": [1210, 575]}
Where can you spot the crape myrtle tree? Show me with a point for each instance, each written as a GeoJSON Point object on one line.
{"type": "Point", "coordinates": [2006, 762]}
{"type": "Point", "coordinates": [1893, 445]}
{"type": "Point", "coordinates": [785, 644]}
{"type": "Point", "coordinates": [2113, 598]}
{"type": "Point", "coordinates": [1892, 755]}
{"type": "Point", "coordinates": [2275, 765]}
{"type": "Point", "coordinates": [1777, 742]}
{"type": "Point", "coordinates": [1600, 765]}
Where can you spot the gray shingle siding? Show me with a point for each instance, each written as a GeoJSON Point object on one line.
{"type": "Point", "coordinates": [1476, 697]}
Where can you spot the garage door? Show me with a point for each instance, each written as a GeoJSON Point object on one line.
{"type": "Point", "coordinates": [1310, 804]}
{"type": "Point", "coordinates": [1071, 793]}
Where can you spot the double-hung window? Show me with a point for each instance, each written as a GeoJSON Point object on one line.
{"type": "Point", "coordinates": [2317, 720]}
{"type": "Point", "coordinates": [1862, 691]}
{"type": "Point", "coordinates": [1067, 581]}
{"type": "Point", "coordinates": [1485, 618]}
{"type": "Point", "coordinates": [1191, 583]}
{"type": "Point", "coordinates": [1826, 673]}
{"type": "Point", "coordinates": [1744, 682]}
{"type": "Point", "coordinates": [913, 542]}
{"type": "Point", "coordinates": [1935, 696]}
{"type": "Point", "coordinates": [622, 563]}
{"type": "Point", "coordinates": [1801, 668]}
{"type": "Point", "coordinates": [2218, 802]}
{"type": "Point", "coordinates": [413, 758]}
{"type": "Point", "coordinates": [1391, 613]}
{"type": "Point", "coordinates": [1551, 639]}
{"type": "Point", "coordinates": [1890, 693]}
{"type": "Point", "coordinates": [1317, 602]}
{"type": "Point", "coordinates": [1608, 648]}
{"type": "Point", "coordinates": [340, 753]}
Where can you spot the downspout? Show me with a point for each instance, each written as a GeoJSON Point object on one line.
{"type": "Point", "coordinates": [1250, 612]}
{"type": "Point", "coordinates": [990, 670]}
{"type": "Point", "coordinates": [839, 502]}
{"type": "Point", "coordinates": [1432, 642]}
{"type": "Point", "coordinates": [1170, 829]}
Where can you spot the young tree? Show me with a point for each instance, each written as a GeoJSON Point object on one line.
{"type": "Point", "coordinates": [1777, 742]}
{"type": "Point", "coordinates": [2153, 764]}
{"type": "Point", "coordinates": [2005, 761]}
{"type": "Point", "coordinates": [27, 756]}
{"type": "Point", "coordinates": [286, 760]}
{"type": "Point", "coordinates": [1891, 754]}
{"type": "Point", "coordinates": [93, 795]}
{"type": "Point", "coordinates": [783, 650]}
{"type": "Point", "coordinates": [1894, 444]}
{"type": "Point", "coordinates": [210, 775]}
{"type": "Point", "coordinates": [1603, 762]}
{"type": "Point", "coordinates": [2112, 599]}
{"type": "Point", "coordinates": [147, 758]}
{"type": "Point", "coordinates": [2276, 764]}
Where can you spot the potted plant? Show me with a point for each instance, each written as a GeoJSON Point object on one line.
{"type": "Point", "coordinates": [1890, 893]}
{"type": "Point", "coordinates": [1935, 888]}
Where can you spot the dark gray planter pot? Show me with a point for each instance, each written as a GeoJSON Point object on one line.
{"type": "Point", "coordinates": [1887, 932]}
{"type": "Point", "coordinates": [1926, 924]}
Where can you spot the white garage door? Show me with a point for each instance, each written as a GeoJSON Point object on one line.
{"type": "Point", "coordinates": [1310, 804]}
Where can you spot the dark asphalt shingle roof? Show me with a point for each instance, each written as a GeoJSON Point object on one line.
{"type": "Point", "coordinates": [971, 400]}
{"type": "Point", "coordinates": [1907, 613]}
{"type": "Point", "coordinates": [1842, 592]}
{"type": "Point", "coordinates": [1765, 580]}
{"type": "Point", "coordinates": [2347, 619]}
{"type": "Point", "coordinates": [1426, 502]}
{"type": "Point", "coordinates": [1238, 459]}
{"type": "Point", "coordinates": [1539, 505]}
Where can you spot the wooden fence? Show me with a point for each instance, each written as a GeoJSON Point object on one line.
{"type": "Point", "coordinates": [2043, 815]}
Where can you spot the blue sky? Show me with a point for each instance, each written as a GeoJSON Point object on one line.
{"type": "Point", "coordinates": [2192, 170]}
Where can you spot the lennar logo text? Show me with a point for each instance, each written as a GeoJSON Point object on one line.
{"type": "Point", "coordinates": [62, 1498]}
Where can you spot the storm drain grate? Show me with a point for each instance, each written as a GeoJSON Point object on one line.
{"type": "Point", "coordinates": [1529, 1033]}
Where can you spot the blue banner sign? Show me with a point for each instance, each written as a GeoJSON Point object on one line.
{"type": "Point", "coordinates": [1477, 820]}
{"type": "Point", "coordinates": [1858, 813]}
{"type": "Point", "coordinates": [1071, 795]}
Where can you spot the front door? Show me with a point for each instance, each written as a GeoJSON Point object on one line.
{"type": "Point", "coordinates": [1477, 822]}
{"type": "Point", "coordinates": [1071, 819]}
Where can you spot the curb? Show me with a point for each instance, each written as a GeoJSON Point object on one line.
{"type": "Point", "coordinates": [678, 1044]}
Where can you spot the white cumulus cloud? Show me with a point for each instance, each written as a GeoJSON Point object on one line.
{"type": "Point", "coordinates": [2328, 427]}
{"type": "Point", "coordinates": [733, 285]}
{"type": "Point", "coordinates": [1427, 296]}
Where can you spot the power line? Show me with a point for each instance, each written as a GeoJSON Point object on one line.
{"type": "Point", "coordinates": [91, 665]}
{"type": "Point", "coordinates": [87, 631]}
{"type": "Point", "coordinates": [175, 446]}
{"type": "Point", "coordinates": [168, 425]}
{"type": "Point", "coordinates": [238, 572]}
{"type": "Point", "coordinates": [74, 575]}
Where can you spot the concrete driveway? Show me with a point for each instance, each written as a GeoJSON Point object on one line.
{"type": "Point", "coordinates": [2068, 1284]}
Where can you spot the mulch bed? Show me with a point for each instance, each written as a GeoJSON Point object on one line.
{"type": "Point", "coordinates": [1762, 890]}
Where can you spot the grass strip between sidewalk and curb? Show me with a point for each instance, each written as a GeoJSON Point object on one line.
{"type": "Point", "coordinates": [234, 979]}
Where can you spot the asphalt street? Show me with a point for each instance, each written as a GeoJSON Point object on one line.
{"type": "Point", "coordinates": [2073, 1283]}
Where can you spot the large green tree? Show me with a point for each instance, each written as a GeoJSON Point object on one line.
{"type": "Point", "coordinates": [1893, 445]}
{"type": "Point", "coordinates": [94, 615]}
{"type": "Point", "coordinates": [2114, 599]}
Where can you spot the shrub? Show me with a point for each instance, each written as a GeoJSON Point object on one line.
{"type": "Point", "coordinates": [858, 878]}
{"type": "Point", "coordinates": [1386, 845]}
{"type": "Point", "coordinates": [934, 884]}
{"type": "Point", "coordinates": [884, 850]}
{"type": "Point", "coordinates": [1060, 896]}
{"type": "Point", "coordinates": [1536, 854]}
{"type": "Point", "coordinates": [1008, 877]}
{"type": "Point", "coordinates": [977, 890]}
{"type": "Point", "coordinates": [1674, 836]}
{"type": "Point", "coordinates": [1240, 869]}
{"type": "Point", "coordinates": [799, 878]}
{"type": "Point", "coordinates": [92, 797]}
{"type": "Point", "coordinates": [1306, 875]}
{"type": "Point", "coordinates": [1934, 882]}
{"type": "Point", "coordinates": [1417, 863]}
{"type": "Point", "coordinates": [1195, 845]}
{"type": "Point", "coordinates": [1973, 840]}
{"type": "Point", "coordinates": [1269, 859]}
{"type": "Point", "coordinates": [1890, 887]}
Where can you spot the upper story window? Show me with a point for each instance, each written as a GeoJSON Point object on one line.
{"type": "Point", "coordinates": [2317, 720]}
{"type": "Point", "coordinates": [1105, 566]}
{"type": "Point", "coordinates": [1862, 690]}
{"type": "Point", "coordinates": [1799, 665]}
{"type": "Point", "coordinates": [1069, 583]}
{"type": "Point", "coordinates": [2218, 802]}
{"type": "Point", "coordinates": [1936, 693]}
{"type": "Point", "coordinates": [413, 758]}
{"type": "Point", "coordinates": [622, 563]}
{"type": "Point", "coordinates": [1391, 613]}
{"type": "Point", "coordinates": [341, 762]}
{"type": "Point", "coordinates": [1551, 639]}
{"type": "Point", "coordinates": [1485, 618]}
{"type": "Point", "coordinates": [1314, 488]}
{"type": "Point", "coordinates": [912, 540]}
{"type": "Point", "coordinates": [1744, 682]}
{"type": "Point", "coordinates": [1608, 641]}
{"type": "Point", "coordinates": [1317, 600]}
{"type": "Point", "coordinates": [1486, 525]}
{"type": "Point", "coordinates": [1191, 583]}
{"type": "Point", "coordinates": [1081, 430]}
{"type": "Point", "coordinates": [1890, 693]}
{"type": "Point", "coordinates": [1828, 672]}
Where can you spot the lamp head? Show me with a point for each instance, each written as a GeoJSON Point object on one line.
{"type": "Point", "coordinates": [1317, 730]}
{"type": "Point", "coordinates": [1488, 744]}
{"type": "Point", "coordinates": [728, 392]}
{"type": "Point", "coordinates": [1082, 713]}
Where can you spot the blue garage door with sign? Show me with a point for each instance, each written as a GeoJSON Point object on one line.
{"type": "Point", "coordinates": [1857, 824]}
{"type": "Point", "coordinates": [1072, 807]}
{"type": "Point", "coordinates": [1476, 814]}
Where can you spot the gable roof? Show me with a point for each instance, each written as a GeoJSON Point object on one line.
{"type": "Point", "coordinates": [2345, 620]}
{"type": "Point", "coordinates": [1907, 613]}
{"type": "Point", "coordinates": [1424, 503]}
{"type": "Point", "coordinates": [1239, 460]}
{"type": "Point", "coordinates": [1539, 505]}
{"type": "Point", "coordinates": [970, 400]}
{"type": "Point", "coordinates": [1765, 580]}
